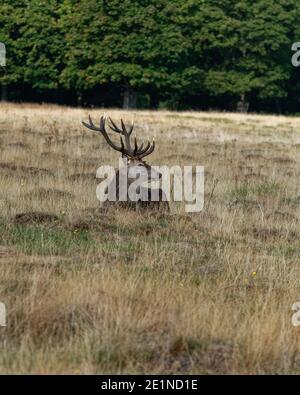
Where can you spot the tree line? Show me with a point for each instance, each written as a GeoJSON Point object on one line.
{"type": "Point", "coordinates": [175, 54]}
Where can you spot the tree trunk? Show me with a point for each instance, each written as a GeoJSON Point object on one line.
{"type": "Point", "coordinates": [154, 101]}
{"type": "Point", "coordinates": [278, 106]}
{"type": "Point", "coordinates": [3, 93]}
{"type": "Point", "coordinates": [242, 105]}
{"type": "Point", "coordinates": [79, 98]}
{"type": "Point", "coordinates": [129, 98]}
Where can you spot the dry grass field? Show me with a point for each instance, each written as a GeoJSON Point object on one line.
{"type": "Point", "coordinates": [126, 292]}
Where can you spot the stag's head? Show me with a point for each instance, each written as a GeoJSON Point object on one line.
{"type": "Point", "coordinates": [128, 147]}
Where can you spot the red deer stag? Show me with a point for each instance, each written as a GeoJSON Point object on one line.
{"type": "Point", "coordinates": [134, 164]}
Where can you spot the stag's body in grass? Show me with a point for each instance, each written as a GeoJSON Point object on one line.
{"type": "Point", "coordinates": [134, 166]}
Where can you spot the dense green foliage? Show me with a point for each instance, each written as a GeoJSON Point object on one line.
{"type": "Point", "coordinates": [172, 53]}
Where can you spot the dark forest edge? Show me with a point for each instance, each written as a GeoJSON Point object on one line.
{"type": "Point", "coordinates": [145, 54]}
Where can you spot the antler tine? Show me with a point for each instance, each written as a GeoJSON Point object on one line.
{"type": "Point", "coordinates": [114, 127]}
{"type": "Point", "coordinates": [127, 136]}
{"type": "Point", "coordinates": [122, 144]}
{"type": "Point", "coordinates": [91, 121]}
{"type": "Point", "coordinates": [124, 132]}
{"type": "Point", "coordinates": [123, 127]}
{"type": "Point", "coordinates": [142, 151]}
{"type": "Point", "coordinates": [131, 128]}
{"type": "Point", "coordinates": [90, 125]}
{"type": "Point", "coordinates": [148, 152]}
{"type": "Point", "coordinates": [135, 146]}
{"type": "Point", "coordinates": [102, 123]}
{"type": "Point", "coordinates": [102, 130]}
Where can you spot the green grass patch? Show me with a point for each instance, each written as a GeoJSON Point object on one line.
{"type": "Point", "coordinates": [41, 241]}
{"type": "Point", "coordinates": [246, 190]}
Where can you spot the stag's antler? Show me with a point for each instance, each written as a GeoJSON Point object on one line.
{"type": "Point", "coordinates": [126, 149]}
{"type": "Point", "coordinates": [102, 130]}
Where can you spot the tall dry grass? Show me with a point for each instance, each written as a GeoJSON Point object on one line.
{"type": "Point", "coordinates": [124, 292]}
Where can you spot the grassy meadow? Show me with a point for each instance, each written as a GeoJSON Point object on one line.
{"type": "Point", "coordinates": [90, 292]}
